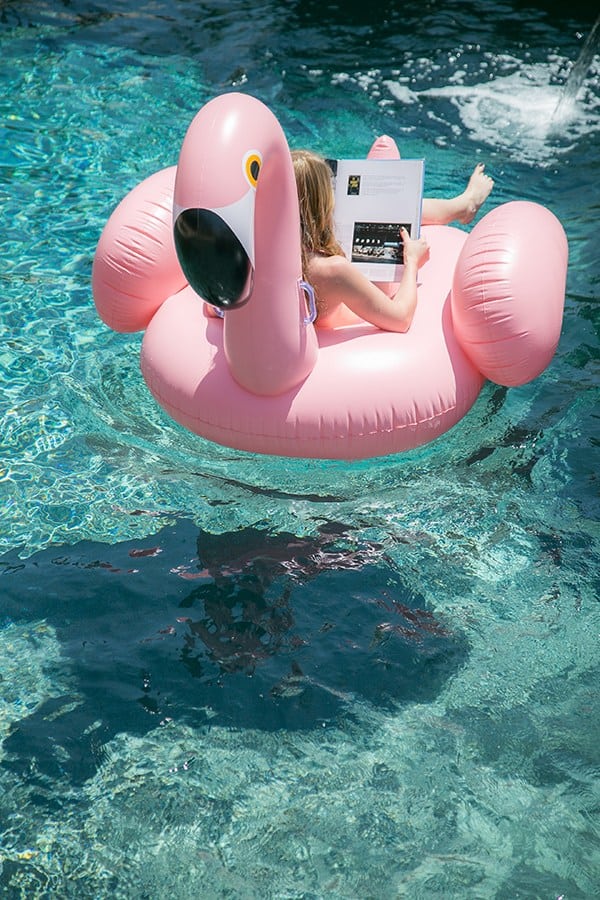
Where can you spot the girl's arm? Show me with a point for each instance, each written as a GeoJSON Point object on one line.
{"type": "Point", "coordinates": [337, 281]}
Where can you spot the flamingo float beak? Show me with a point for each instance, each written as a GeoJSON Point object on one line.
{"type": "Point", "coordinates": [213, 258]}
{"type": "Point", "coordinates": [215, 248]}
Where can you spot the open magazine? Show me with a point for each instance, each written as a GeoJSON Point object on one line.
{"type": "Point", "coordinates": [374, 198]}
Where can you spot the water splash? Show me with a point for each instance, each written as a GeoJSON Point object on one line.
{"type": "Point", "coordinates": [565, 108]}
{"type": "Point", "coordinates": [513, 113]}
{"type": "Point", "coordinates": [510, 112]}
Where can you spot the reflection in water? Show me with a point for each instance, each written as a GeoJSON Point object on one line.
{"type": "Point", "coordinates": [238, 630]}
{"type": "Point", "coordinates": [277, 632]}
{"type": "Point", "coordinates": [260, 625]}
{"type": "Point", "coordinates": [245, 620]}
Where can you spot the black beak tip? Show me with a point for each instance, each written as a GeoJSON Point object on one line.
{"type": "Point", "coordinates": [212, 258]}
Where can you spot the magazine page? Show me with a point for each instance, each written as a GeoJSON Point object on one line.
{"type": "Point", "coordinates": [374, 198]}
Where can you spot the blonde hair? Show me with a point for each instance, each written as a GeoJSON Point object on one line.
{"type": "Point", "coordinates": [315, 197]}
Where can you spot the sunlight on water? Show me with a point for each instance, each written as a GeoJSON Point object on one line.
{"type": "Point", "coordinates": [231, 675]}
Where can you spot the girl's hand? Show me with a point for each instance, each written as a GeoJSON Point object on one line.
{"type": "Point", "coordinates": [414, 251]}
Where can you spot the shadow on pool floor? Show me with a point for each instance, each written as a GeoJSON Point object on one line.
{"type": "Point", "coordinates": [249, 629]}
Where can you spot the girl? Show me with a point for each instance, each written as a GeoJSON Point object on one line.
{"type": "Point", "coordinates": [338, 284]}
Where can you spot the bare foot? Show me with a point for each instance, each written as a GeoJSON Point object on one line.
{"type": "Point", "coordinates": [476, 192]}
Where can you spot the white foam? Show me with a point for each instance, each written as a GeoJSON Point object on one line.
{"type": "Point", "coordinates": [514, 112]}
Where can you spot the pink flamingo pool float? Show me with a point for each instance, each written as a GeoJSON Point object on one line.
{"type": "Point", "coordinates": [220, 231]}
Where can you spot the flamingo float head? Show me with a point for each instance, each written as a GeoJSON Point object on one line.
{"type": "Point", "coordinates": [237, 237]}
{"type": "Point", "coordinates": [214, 201]}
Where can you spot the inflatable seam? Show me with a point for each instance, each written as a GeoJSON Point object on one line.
{"type": "Point", "coordinates": [339, 435]}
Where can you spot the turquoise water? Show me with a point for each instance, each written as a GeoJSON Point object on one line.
{"type": "Point", "coordinates": [224, 675]}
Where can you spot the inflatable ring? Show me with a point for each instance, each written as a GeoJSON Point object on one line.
{"type": "Point", "coordinates": [260, 376]}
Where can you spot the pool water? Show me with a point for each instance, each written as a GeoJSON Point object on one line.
{"type": "Point", "coordinates": [224, 675]}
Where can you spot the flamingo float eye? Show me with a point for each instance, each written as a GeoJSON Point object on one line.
{"type": "Point", "coordinates": [252, 164]}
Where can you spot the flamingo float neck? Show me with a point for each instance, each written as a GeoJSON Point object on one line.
{"type": "Point", "coordinates": [237, 234]}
